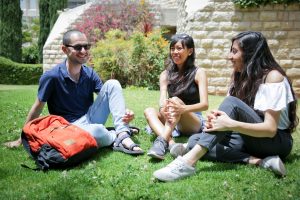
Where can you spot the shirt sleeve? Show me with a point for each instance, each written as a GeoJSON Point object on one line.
{"type": "Point", "coordinates": [273, 96]}
{"type": "Point", "coordinates": [97, 82]}
{"type": "Point", "coordinates": [45, 87]}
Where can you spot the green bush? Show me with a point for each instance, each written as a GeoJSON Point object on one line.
{"type": "Point", "coordinates": [30, 54]}
{"type": "Point", "coordinates": [26, 36]}
{"type": "Point", "coordinates": [17, 73]}
{"type": "Point", "coordinates": [257, 3]}
{"type": "Point", "coordinates": [137, 60]}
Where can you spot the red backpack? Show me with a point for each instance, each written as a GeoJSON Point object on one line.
{"type": "Point", "coordinates": [55, 143]}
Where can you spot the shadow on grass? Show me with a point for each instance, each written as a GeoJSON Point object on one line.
{"type": "Point", "coordinates": [292, 157]}
{"type": "Point", "coordinates": [219, 166]}
{"type": "Point", "coordinates": [100, 154]}
{"type": "Point", "coordinates": [154, 160]}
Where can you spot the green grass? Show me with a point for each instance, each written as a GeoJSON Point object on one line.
{"type": "Point", "coordinates": [113, 175]}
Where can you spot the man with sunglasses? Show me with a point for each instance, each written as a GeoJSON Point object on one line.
{"type": "Point", "coordinates": [68, 90]}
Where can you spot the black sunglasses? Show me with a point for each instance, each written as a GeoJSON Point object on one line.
{"type": "Point", "coordinates": [78, 47]}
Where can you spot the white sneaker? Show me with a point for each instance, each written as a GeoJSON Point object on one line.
{"type": "Point", "coordinates": [275, 164]}
{"type": "Point", "coordinates": [177, 169]}
{"type": "Point", "coordinates": [178, 149]}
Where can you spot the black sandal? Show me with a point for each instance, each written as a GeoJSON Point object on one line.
{"type": "Point", "coordinates": [118, 146]}
{"type": "Point", "coordinates": [132, 129]}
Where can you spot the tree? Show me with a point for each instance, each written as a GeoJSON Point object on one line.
{"type": "Point", "coordinates": [11, 30]}
{"type": "Point", "coordinates": [48, 16]}
{"type": "Point", "coordinates": [54, 7]}
{"type": "Point", "coordinates": [44, 26]}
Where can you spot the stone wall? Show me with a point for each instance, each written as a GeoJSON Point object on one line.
{"type": "Point", "coordinates": [213, 23]}
{"type": "Point", "coordinates": [165, 3]}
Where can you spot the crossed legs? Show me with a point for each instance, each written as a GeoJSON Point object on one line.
{"type": "Point", "coordinates": [249, 151]}
{"type": "Point", "coordinates": [187, 123]}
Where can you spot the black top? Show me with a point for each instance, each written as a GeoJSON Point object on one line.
{"type": "Point", "coordinates": [190, 95]}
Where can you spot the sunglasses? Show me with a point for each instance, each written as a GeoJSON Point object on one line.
{"type": "Point", "coordinates": [78, 47]}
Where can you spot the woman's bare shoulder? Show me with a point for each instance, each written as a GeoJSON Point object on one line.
{"type": "Point", "coordinates": [274, 76]}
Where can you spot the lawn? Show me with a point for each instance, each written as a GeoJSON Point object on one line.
{"type": "Point", "coordinates": [114, 175]}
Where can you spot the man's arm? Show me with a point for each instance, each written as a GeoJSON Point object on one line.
{"type": "Point", "coordinates": [35, 110]}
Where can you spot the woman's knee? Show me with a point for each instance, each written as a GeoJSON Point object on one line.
{"type": "Point", "coordinates": [178, 100]}
{"type": "Point", "coordinates": [229, 101]}
{"type": "Point", "coordinates": [149, 112]}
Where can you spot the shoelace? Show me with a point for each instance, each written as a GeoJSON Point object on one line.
{"type": "Point", "coordinates": [161, 145]}
{"type": "Point", "coordinates": [176, 165]}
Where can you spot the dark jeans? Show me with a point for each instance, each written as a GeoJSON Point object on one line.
{"type": "Point", "coordinates": [228, 146]}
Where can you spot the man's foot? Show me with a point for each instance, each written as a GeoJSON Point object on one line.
{"type": "Point", "coordinates": [275, 164]}
{"type": "Point", "coordinates": [124, 144]}
{"type": "Point", "coordinates": [177, 169]}
{"type": "Point", "coordinates": [178, 149]}
{"type": "Point", "coordinates": [158, 149]}
{"type": "Point", "coordinates": [13, 144]}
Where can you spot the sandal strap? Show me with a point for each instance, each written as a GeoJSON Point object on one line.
{"type": "Point", "coordinates": [133, 145]}
{"type": "Point", "coordinates": [132, 129]}
{"type": "Point", "coordinates": [121, 138]}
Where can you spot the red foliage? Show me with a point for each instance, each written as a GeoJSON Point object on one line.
{"type": "Point", "coordinates": [126, 16]}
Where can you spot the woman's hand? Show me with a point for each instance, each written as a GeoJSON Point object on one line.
{"type": "Point", "coordinates": [210, 116]}
{"type": "Point", "coordinates": [174, 110]}
{"type": "Point", "coordinates": [128, 116]}
{"type": "Point", "coordinates": [175, 105]}
{"type": "Point", "coordinates": [218, 121]}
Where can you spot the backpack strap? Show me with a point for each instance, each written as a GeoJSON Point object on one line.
{"type": "Point", "coordinates": [34, 169]}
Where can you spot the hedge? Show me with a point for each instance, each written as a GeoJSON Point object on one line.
{"type": "Point", "coordinates": [18, 73]}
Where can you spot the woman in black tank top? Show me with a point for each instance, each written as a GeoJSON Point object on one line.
{"type": "Point", "coordinates": [183, 95]}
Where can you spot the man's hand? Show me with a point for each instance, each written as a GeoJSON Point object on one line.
{"type": "Point", "coordinates": [128, 117]}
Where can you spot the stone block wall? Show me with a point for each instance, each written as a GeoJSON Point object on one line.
{"type": "Point", "coordinates": [215, 22]}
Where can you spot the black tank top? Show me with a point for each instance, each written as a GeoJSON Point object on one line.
{"type": "Point", "coordinates": [191, 94]}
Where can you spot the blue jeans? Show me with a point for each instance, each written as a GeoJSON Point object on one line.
{"type": "Point", "coordinates": [228, 146]}
{"type": "Point", "coordinates": [109, 100]}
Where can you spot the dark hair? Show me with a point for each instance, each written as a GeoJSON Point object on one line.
{"type": "Point", "coordinates": [258, 62]}
{"type": "Point", "coordinates": [67, 35]}
{"type": "Point", "coordinates": [178, 81]}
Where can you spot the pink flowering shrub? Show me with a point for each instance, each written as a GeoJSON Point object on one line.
{"type": "Point", "coordinates": [127, 16]}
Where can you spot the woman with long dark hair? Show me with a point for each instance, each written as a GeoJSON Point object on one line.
{"type": "Point", "coordinates": [253, 125]}
{"type": "Point", "coordinates": [183, 95]}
